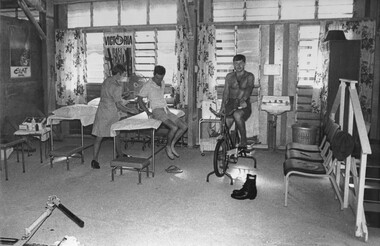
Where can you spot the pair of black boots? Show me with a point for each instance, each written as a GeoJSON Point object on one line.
{"type": "Point", "coordinates": [249, 190]}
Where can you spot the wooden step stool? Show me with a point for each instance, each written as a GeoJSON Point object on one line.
{"type": "Point", "coordinates": [130, 163]}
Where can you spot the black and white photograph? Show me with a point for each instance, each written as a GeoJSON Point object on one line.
{"type": "Point", "coordinates": [190, 122]}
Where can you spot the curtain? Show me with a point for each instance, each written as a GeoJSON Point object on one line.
{"type": "Point", "coordinates": [365, 31]}
{"type": "Point", "coordinates": [206, 61]}
{"type": "Point", "coordinates": [70, 67]}
{"type": "Point", "coordinates": [182, 52]}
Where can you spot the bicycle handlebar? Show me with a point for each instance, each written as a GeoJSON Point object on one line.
{"type": "Point", "coordinates": [214, 112]}
{"type": "Point", "coordinates": [217, 114]}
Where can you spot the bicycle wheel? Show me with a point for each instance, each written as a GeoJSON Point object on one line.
{"type": "Point", "coordinates": [220, 157]}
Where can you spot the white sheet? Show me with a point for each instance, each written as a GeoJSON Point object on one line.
{"type": "Point", "coordinates": [139, 122]}
{"type": "Point", "coordinates": [84, 113]}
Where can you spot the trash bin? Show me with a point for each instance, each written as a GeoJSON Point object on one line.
{"type": "Point", "coordinates": [304, 133]}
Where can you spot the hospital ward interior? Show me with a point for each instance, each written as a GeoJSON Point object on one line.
{"type": "Point", "coordinates": [302, 167]}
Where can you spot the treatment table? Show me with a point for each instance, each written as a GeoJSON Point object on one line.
{"type": "Point", "coordinates": [86, 115]}
{"type": "Point", "coordinates": [137, 122]}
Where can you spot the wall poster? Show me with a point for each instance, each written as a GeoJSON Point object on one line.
{"type": "Point", "coordinates": [118, 50]}
{"type": "Point", "coordinates": [19, 42]}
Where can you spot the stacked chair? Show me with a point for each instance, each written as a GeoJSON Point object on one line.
{"type": "Point", "coordinates": [317, 161]}
{"type": "Point", "coordinates": [312, 152]}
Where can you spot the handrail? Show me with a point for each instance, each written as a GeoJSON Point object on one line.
{"type": "Point", "coordinates": [361, 126]}
{"type": "Point", "coordinates": [356, 199]}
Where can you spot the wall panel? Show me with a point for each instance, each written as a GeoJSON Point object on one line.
{"type": "Point", "coordinates": [20, 97]}
{"type": "Point", "coordinates": [264, 59]}
{"type": "Point", "coordinates": [278, 79]}
{"type": "Point", "coordinates": [291, 80]}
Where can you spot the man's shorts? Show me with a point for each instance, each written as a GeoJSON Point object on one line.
{"type": "Point", "coordinates": [235, 103]}
{"type": "Point", "coordinates": [164, 114]}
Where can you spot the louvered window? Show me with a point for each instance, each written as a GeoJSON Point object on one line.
{"type": "Point", "coordinates": [236, 40]}
{"type": "Point", "coordinates": [328, 9]}
{"type": "Point", "coordinates": [307, 53]}
{"type": "Point", "coordinates": [132, 12]}
{"type": "Point", "coordinates": [95, 57]}
{"type": "Point", "coordinates": [145, 52]}
{"type": "Point", "coordinates": [162, 11]}
{"type": "Point", "coordinates": [79, 15]}
{"type": "Point", "coordinates": [260, 10]}
{"type": "Point", "coordinates": [105, 13]}
{"type": "Point", "coordinates": [297, 9]}
{"type": "Point", "coordinates": [155, 48]}
{"type": "Point", "coordinates": [152, 47]}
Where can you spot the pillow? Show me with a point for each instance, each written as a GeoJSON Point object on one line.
{"type": "Point", "coordinates": [94, 102]}
{"type": "Point", "coordinates": [75, 111]}
{"type": "Point", "coordinates": [62, 112]}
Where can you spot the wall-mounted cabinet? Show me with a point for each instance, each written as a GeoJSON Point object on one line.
{"type": "Point", "coordinates": [343, 61]}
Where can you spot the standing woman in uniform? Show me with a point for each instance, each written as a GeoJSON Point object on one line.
{"type": "Point", "coordinates": [108, 110]}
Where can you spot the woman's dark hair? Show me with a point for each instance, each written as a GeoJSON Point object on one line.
{"type": "Point", "coordinates": [159, 70]}
{"type": "Point", "coordinates": [239, 57]}
{"type": "Point", "coordinates": [118, 68]}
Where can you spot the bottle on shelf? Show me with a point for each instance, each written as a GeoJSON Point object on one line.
{"type": "Point", "coordinates": [33, 124]}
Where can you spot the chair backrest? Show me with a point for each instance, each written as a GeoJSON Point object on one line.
{"type": "Point", "coordinates": [325, 150]}
{"type": "Point", "coordinates": [331, 129]}
{"type": "Point", "coordinates": [329, 162]}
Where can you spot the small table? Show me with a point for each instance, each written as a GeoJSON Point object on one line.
{"type": "Point", "coordinates": [42, 135]}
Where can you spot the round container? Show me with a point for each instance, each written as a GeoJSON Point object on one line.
{"type": "Point", "coordinates": [304, 133]}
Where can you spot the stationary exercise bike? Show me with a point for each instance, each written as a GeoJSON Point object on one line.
{"type": "Point", "coordinates": [226, 149]}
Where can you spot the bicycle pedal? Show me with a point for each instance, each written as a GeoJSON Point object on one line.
{"type": "Point", "coordinates": [232, 152]}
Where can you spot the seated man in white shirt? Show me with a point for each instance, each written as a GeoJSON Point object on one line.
{"type": "Point", "coordinates": [154, 91]}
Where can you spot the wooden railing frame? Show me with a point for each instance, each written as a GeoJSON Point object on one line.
{"type": "Point", "coordinates": [355, 197]}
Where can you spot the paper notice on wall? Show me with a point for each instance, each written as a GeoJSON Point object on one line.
{"type": "Point", "coordinates": [118, 50]}
{"type": "Point", "coordinates": [20, 72]}
{"type": "Point", "coordinates": [19, 52]}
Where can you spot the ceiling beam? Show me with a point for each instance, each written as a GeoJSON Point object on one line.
{"type": "Point", "coordinates": [57, 2]}
{"type": "Point", "coordinates": [29, 14]}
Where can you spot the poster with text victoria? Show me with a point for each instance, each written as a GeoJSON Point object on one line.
{"type": "Point", "coordinates": [118, 48]}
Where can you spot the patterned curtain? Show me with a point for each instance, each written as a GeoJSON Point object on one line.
{"type": "Point", "coordinates": [319, 99]}
{"type": "Point", "coordinates": [366, 31]}
{"type": "Point", "coordinates": [182, 52]}
{"type": "Point", "coordinates": [206, 61]}
{"type": "Point", "coordinates": [70, 67]}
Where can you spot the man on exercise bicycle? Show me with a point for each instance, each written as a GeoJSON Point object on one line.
{"type": "Point", "coordinates": [236, 96]}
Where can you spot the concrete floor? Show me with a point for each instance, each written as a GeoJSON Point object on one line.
{"type": "Point", "coordinates": [173, 209]}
